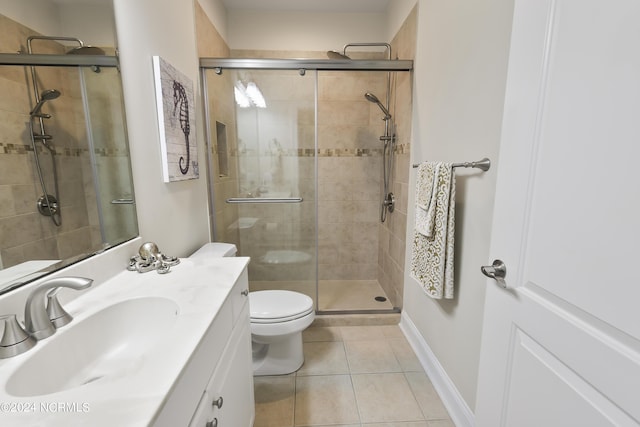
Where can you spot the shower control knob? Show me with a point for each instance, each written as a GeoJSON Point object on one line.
{"type": "Point", "coordinates": [245, 293]}
{"type": "Point", "coordinates": [389, 202]}
{"type": "Point", "coordinates": [48, 205]}
{"type": "Point", "coordinates": [213, 423]}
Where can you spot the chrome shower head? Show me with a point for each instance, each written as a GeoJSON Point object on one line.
{"type": "Point", "coordinates": [49, 94]}
{"type": "Point", "coordinates": [46, 95]}
{"type": "Point", "coordinates": [372, 98]}
{"type": "Point", "coordinates": [86, 50]}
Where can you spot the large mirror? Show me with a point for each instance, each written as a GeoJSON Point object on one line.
{"type": "Point", "coordinates": [65, 176]}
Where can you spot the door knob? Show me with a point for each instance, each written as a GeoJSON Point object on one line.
{"type": "Point", "coordinates": [496, 271]}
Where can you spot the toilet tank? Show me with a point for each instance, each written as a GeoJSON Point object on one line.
{"type": "Point", "coordinates": [215, 249]}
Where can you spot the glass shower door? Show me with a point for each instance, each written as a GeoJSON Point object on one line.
{"type": "Point", "coordinates": [109, 152]}
{"type": "Point", "coordinates": [263, 158]}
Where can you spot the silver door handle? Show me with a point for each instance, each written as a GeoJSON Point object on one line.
{"type": "Point", "coordinates": [496, 271]}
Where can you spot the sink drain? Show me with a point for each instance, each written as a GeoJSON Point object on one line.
{"type": "Point", "coordinates": [380, 299]}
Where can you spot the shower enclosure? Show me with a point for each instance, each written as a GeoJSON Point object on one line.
{"type": "Point", "coordinates": [297, 173]}
{"type": "Point", "coordinates": [48, 204]}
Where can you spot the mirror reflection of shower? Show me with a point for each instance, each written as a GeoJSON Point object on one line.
{"type": "Point", "coordinates": [389, 137]}
{"type": "Point", "coordinates": [49, 204]}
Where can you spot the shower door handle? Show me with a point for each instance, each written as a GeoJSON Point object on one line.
{"type": "Point", "coordinates": [122, 202]}
{"type": "Point", "coordinates": [264, 200]}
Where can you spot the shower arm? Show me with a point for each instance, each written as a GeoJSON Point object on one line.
{"type": "Point", "coordinates": [388, 47]}
{"type": "Point", "coordinates": [30, 39]}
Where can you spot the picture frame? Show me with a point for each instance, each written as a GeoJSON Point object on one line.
{"type": "Point", "coordinates": [175, 103]}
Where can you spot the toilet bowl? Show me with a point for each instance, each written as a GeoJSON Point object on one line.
{"type": "Point", "coordinates": [277, 321]}
{"type": "Point", "coordinates": [278, 318]}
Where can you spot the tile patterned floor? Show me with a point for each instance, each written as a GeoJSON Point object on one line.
{"type": "Point", "coordinates": [353, 376]}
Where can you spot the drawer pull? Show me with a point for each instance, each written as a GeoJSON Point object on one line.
{"type": "Point", "coordinates": [245, 292]}
{"type": "Point", "coordinates": [212, 423]}
{"type": "Point", "coordinates": [218, 402]}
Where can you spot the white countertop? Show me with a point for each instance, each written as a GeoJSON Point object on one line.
{"type": "Point", "coordinates": [199, 288]}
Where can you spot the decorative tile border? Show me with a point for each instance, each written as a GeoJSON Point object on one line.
{"type": "Point", "coordinates": [61, 151]}
{"type": "Point", "coordinates": [349, 152]}
{"type": "Point", "coordinates": [403, 149]}
{"type": "Point", "coordinates": [326, 152]}
{"type": "Point", "coordinates": [14, 148]}
{"type": "Point", "coordinates": [111, 152]}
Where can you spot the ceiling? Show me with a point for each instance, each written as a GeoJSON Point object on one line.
{"type": "Point", "coordinates": [335, 6]}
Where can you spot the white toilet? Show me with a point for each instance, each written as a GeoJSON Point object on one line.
{"type": "Point", "coordinates": [278, 318]}
{"type": "Point", "coordinates": [277, 321]}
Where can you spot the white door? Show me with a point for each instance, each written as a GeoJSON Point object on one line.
{"type": "Point", "coordinates": [561, 344]}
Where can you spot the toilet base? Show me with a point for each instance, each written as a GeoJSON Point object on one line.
{"type": "Point", "coordinates": [279, 357]}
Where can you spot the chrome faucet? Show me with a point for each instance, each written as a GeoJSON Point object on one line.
{"type": "Point", "coordinates": [36, 318]}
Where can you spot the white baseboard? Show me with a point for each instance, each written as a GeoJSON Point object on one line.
{"type": "Point", "coordinates": [460, 413]}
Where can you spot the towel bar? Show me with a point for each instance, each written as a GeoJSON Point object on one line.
{"type": "Point", "coordinates": [483, 164]}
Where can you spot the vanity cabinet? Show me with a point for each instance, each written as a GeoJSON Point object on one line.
{"type": "Point", "coordinates": [216, 387]}
{"type": "Point", "coordinates": [228, 399]}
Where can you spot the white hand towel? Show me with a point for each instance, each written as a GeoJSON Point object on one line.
{"type": "Point", "coordinates": [432, 254]}
{"type": "Point", "coordinates": [426, 198]}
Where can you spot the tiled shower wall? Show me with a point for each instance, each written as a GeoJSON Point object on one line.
{"type": "Point", "coordinates": [349, 174]}
{"type": "Point", "coordinates": [392, 238]}
{"type": "Point", "coordinates": [24, 233]}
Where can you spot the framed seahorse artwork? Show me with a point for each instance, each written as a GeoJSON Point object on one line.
{"type": "Point", "coordinates": [177, 121]}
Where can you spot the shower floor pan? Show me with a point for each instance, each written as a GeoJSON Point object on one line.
{"type": "Point", "coordinates": [339, 296]}
{"type": "Point", "coordinates": [349, 295]}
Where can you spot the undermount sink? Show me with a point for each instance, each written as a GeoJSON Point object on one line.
{"type": "Point", "coordinates": [110, 344]}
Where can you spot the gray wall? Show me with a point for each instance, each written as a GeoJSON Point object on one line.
{"type": "Point", "coordinates": [460, 78]}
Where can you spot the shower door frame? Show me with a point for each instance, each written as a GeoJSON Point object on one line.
{"type": "Point", "coordinates": [302, 66]}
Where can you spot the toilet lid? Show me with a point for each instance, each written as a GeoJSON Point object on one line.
{"type": "Point", "coordinates": [278, 306]}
